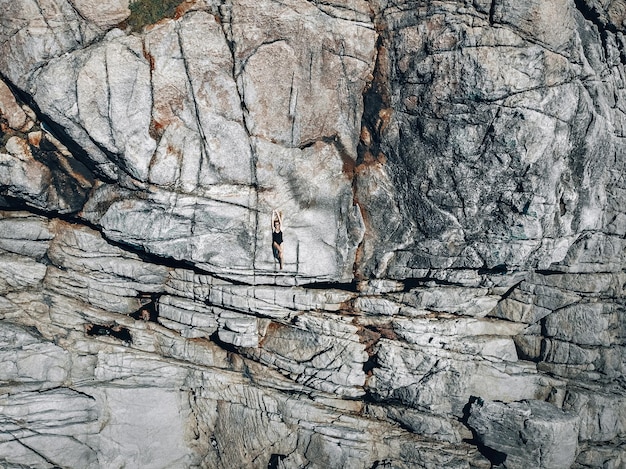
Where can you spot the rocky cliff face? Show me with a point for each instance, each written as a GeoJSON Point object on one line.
{"type": "Point", "coordinates": [451, 176]}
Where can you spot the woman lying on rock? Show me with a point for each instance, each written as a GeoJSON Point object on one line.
{"type": "Point", "coordinates": [277, 237]}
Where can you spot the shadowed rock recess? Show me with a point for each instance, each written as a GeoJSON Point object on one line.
{"type": "Point", "coordinates": [452, 179]}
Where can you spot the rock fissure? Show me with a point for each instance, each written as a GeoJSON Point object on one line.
{"type": "Point", "coordinates": [56, 131]}
{"type": "Point", "coordinates": [591, 11]}
{"type": "Point", "coordinates": [224, 19]}
{"type": "Point", "coordinates": [204, 155]}
{"type": "Point", "coordinates": [21, 442]}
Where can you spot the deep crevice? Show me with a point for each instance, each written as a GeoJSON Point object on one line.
{"type": "Point", "coordinates": [549, 272]}
{"type": "Point", "coordinates": [58, 131]}
{"type": "Point", "coordinates": [499, 269]}
{"type": "Point", "coordinates": [371, 363]}
{"type": "Point", "coordinates": [148, 311]}
{"type": "Point", "coordinates": [492, 12]}
{"type": "Point", "coordinates": [590, 13]}
{"type": "Point", "coordinates": [71, 218]}
{"type": "Point", "coordinates": [416, 282]}
{"type": "Point", "coordinates": [522, 355]}
{"type": "Point", "coordinates": [351, 287]}
{"type": "Point", "coordinates": [275, 461]}
{"type": "Point", "coordinates": [115, 330]}
{"type": "Point", "coordinates": [70, 178]}
{"type": "Point", "coordinates": [375, 117]}
{"type": "Point", "coordinates": [376, 102]}
{"type": "Point", "coordinates": [383, 464]}
{"type": "Point", "coordinates": [223, 345]}
{"type": "Point", "coordinates": [510, 291]}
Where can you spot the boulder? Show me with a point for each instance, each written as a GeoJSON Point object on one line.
{"type": "Point", "coordinates": [527, 433]}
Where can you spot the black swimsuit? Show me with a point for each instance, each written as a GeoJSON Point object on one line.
{"type": "Point", "coordinates": [277, 237]}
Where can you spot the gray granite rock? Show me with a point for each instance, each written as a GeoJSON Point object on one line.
{"type": "Point", "coordinates": [601, 411]}
{"type": "Point", "coordinates": [35, 32]}
{"type": "Point", "coordinates": [479, 114]}
{"type": "Point", "coordinates": [527, 433]}
{"type": "Point", "coordinates": [419, 376]}
{"type": "Point", "coordinates": [450, 176]}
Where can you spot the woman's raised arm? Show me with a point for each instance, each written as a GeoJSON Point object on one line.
{"type": "Point", "coordinates": [280, 220]}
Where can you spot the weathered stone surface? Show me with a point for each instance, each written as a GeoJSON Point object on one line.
{"type": "Point", "coordinates": [98, 273]}
{"type": "Point", "coordinates": [19, 273]}
{"type": "Point", "coordinates": [188, 317]}
{"type": "Point", "coordinates": [296, 110]}
{"type": "Point", "coordinates": [601, 411]}
{"type": "Point", "coordinates": [169, 111]}
{"type": "Point", "coordinates": [105, 106]}
{"type": "Point", "coordinates": [587, 324]}
{"type": "Point", "coordinates": [322, 224]}
{"type": "Point", "coordinates": [419, 376]}
{"type": "Point", "coordinates": [238, 329]}
{"type": "Point", "coordinates": [528, 433]}
{"type": "Point", "coordinates": [322, 352]}
{"type": "Point", "coordinates": [423, 423]}
{"type": "Point", "coordinates": [466, 301]}
{"type": "Point", "coordinates": [9, 109]}
{"type": "Point", "coordinates": [531, 301]}
{"type": "Point", "coordinates": [25, 234]}
{"type": "Point", "coordinates": [458, 91]}
{"type": "Point", "coordinates": [598, 456]}
{"type": "Point", "coordinates": [31, 362]}
{"type": "Point", "coordinates": [471, 337]}
{"type": "Point", "coordinates": [196, 114]}
{"type": "Point", "coordinates": [450, 176]}
{"type": "Point", "coordinates": [35, 32]}
{"type": "Point", "coordinates": [50, 425]}
{"type": "Point", "coordinates": [103, 14]}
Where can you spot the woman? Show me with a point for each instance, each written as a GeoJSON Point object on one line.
{"type": "Point", "coordinates": [277, 237]}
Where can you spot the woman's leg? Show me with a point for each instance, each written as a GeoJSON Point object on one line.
{"type": "Point", "coordinates": [278, 252]}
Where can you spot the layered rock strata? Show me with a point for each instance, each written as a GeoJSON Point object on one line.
{"type": "Point", "coordinates": [451, 179]}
